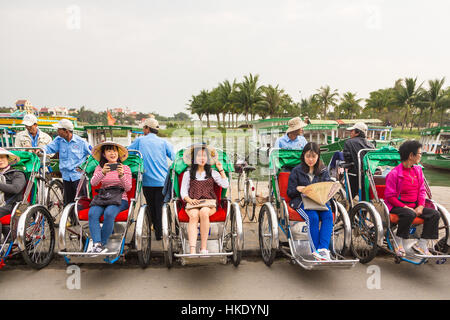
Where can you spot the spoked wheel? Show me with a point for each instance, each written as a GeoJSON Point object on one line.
{"type": "Point", "coordinates": [250, 206]}
{"type": "Point", "coordinates": [442, 245]}
{"type": "Point", "coordinates": [237, 252]}
{"type": "Point", "coordinates": [39, 238]}
{"type": "Point", "coordinates": [167, 236]}
{"type": "Point", "coordinates": [74, 235]}
{"type": "Point", "coordinates": [55, 199]}
{"type": "Point", "coordinates": [339, 234]}
{"type": "Point", "coordinates": [342, 199]}
{"type": "Point", "coordinates": [364, 233]}
{"type": "Point", "coordinates": [266, 236]}
{"type": "Point", "coordinates": [240, 189]}
{"type": "Point", "coordinates": [144, 238]}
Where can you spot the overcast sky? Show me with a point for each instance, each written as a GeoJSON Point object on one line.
{"type": "Point", "coordinates": [154, 55]}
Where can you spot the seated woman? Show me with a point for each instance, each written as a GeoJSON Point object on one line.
{"type": "Point", "coordinates": [197, 190]}
{"type": "Point", "coordinates": [110, 172]}
{"type": "Point", "coordinates": [312, 170]}
{"type": "Point", "coordinates": [12, 184]}
{"type": "Point", "coordinates": [405, 196]}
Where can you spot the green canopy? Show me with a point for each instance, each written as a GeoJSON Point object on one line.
{"type": "Point", "coordinates": [29, 162]}
{"type": "Point", "coordinates": [280, 158]}
{"type": "Point", "coordinates": [386, 156]}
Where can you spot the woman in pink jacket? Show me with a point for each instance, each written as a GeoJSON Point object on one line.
{"type": "Point", "coordinates": [405, 196]}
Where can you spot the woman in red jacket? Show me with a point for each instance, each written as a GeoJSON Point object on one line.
{"type": "Point", "coordinates": [405, 196]}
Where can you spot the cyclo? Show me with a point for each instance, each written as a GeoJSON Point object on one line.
{"type": "Point", "coordinates": [226, 238]}
{"type": "Point", "coordinates": [74, 234]}
{"type": "Point", "coordinates": [292, 239]}
{"type": "Point", "coordinates": [29, 228]}
{"type": "Point", "coordinates": [373, 226]}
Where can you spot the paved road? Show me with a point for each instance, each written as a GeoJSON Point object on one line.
{"type": "Point", "coordinates": [251, 280]}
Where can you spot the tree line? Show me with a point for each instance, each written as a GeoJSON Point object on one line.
{"type": "Point", "coordinates": [407, 103]}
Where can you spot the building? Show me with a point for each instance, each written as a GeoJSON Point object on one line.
{"type": "Point", "coordinates": [25, 105]}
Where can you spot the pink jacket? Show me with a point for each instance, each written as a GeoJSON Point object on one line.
{"type": "Point", "coordinates": [394, 181]}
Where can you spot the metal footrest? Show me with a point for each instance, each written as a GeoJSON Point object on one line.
{"type": "Point", "coordinates": [199, 255]}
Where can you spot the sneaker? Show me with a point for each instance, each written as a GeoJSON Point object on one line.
{"type": "Point", "coordinates": [422, 249]}
{"type": "Point", "coordinates": [319, 256]}
{"type": "Point", "coordinates": [204, 252]}
{"type": "Point", "coordinates": [325, 253]}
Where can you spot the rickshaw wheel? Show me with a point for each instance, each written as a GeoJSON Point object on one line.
{"type": "Point", "coordinates": [339, 236]}
{"type": "Point", "coordinates": [167, 224]}
{"type": "Point", "coordinates": [364, 233]}
{"type": "Point", "coordinates": [266, 236]}
{"type": "Point", "coordinates": [237, 253]}
{"type": "Point", "coordinates": [72, 234]}
{"type": "Point", "coordinates": [342, 199]}
{"type": "Point", "coordinates": [55, 199]}
{"type": "Point", "coordinates": [39, 238]}
{"type": "Point", "coordinates": [144, 254]}
{"type": "Point", "coordinates": [442, 245]}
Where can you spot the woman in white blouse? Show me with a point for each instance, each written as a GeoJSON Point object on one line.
{"type": "Point", "coordinates": [197, 190]}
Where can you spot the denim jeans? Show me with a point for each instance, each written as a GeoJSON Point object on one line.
{"type": "Point", "coordinates": [101, 234]}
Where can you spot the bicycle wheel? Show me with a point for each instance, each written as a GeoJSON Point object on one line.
{"type": "Point", "coordinates": [240, 189]}
{"type": "Point", "coordinates": [266, 236]}
{"type": "Point", "coordinates": [250, 206]}
{"type": "Point", "coordinates": [144, 238]}
{"type": "Point", "coordinates": [55, 199]}
{"type": "Point", "coordinates": [39, 238]}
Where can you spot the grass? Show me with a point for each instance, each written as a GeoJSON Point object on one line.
{"type": "Point", "coordinates": [406, 134]}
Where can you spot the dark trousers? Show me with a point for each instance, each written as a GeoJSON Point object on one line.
{"type": "Point", "coordinates": [406, 217]}
{"type": "Point", "coordinates": [70, 191]}
{"type": "Point", "coordinates": [154, 199]}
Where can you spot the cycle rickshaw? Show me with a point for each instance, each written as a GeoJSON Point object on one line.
{"type": "Point", "coordinates": [226, 238]}
{"type": "Point", "coordinates": [282, 228]}
{"type": "Point", "coordinates": [373, 226]}
{"type": "Point", "coordinates": [29, 229]}
{"type": "Point", "coordinates": [74, 235]}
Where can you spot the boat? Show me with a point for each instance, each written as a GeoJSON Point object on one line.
{"type": "Point", "coordinates": [16, 117]}
{"type": "Point", "coordinates": [436, 147]}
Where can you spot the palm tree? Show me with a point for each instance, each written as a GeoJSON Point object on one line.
{"type": "Point", "coordinates": [349, 106]}
{"type": "Point", "coordinates": [326, 98]}
{"type": "Point", "coordinates": [434, 96]}
{"type": "Point", "coordinates": [199, 105]}
{"type": "Point", "coordinates": [248, 95]}
{"type": "Point", "coordinates": [273, 99]}
{"type": "Point", "coordinates": [444, 105]}
{"type": "Point", "coordinates": [408, 96]}
{"type": "Point", "coordinates": [224, 92]}
{"type": "Point", "coordinates": [310, 107]}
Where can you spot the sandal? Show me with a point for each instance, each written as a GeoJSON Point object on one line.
{"type": "Point", "coordinates": [400, 251]}
{"type": "Point", "coordinates": [420, 250]}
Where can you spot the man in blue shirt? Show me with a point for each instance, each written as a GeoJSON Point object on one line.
{"type": "Point", "coordinates": [155, 152]}
{"type": "Point", "coordinates": [73, 151]}
{"type": "Point", "coordinates": [293, 139]}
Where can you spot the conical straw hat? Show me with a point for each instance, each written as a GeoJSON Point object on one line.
{"type": "Point", "coordinates": [321, 192]}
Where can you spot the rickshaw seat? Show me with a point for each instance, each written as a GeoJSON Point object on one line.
{"type": "Point", "coordinates": [219, 216]}
{"type": "Point", "coordinates": [392, 216]}
{"type": "Point", "coordinates": [6, 220]}
{"type": "Point", "coordinates": [283, 179]}
{"type": "Point", "coordinates": [122, 216]}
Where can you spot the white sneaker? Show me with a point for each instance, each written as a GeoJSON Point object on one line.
{"type": "Point", "coordinates": [319, 256]}
{"type": "Point", "coordinates": [325, 253]}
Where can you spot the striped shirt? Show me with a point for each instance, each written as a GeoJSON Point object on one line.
{"type": "Point", "coordinates": [112, 179]}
